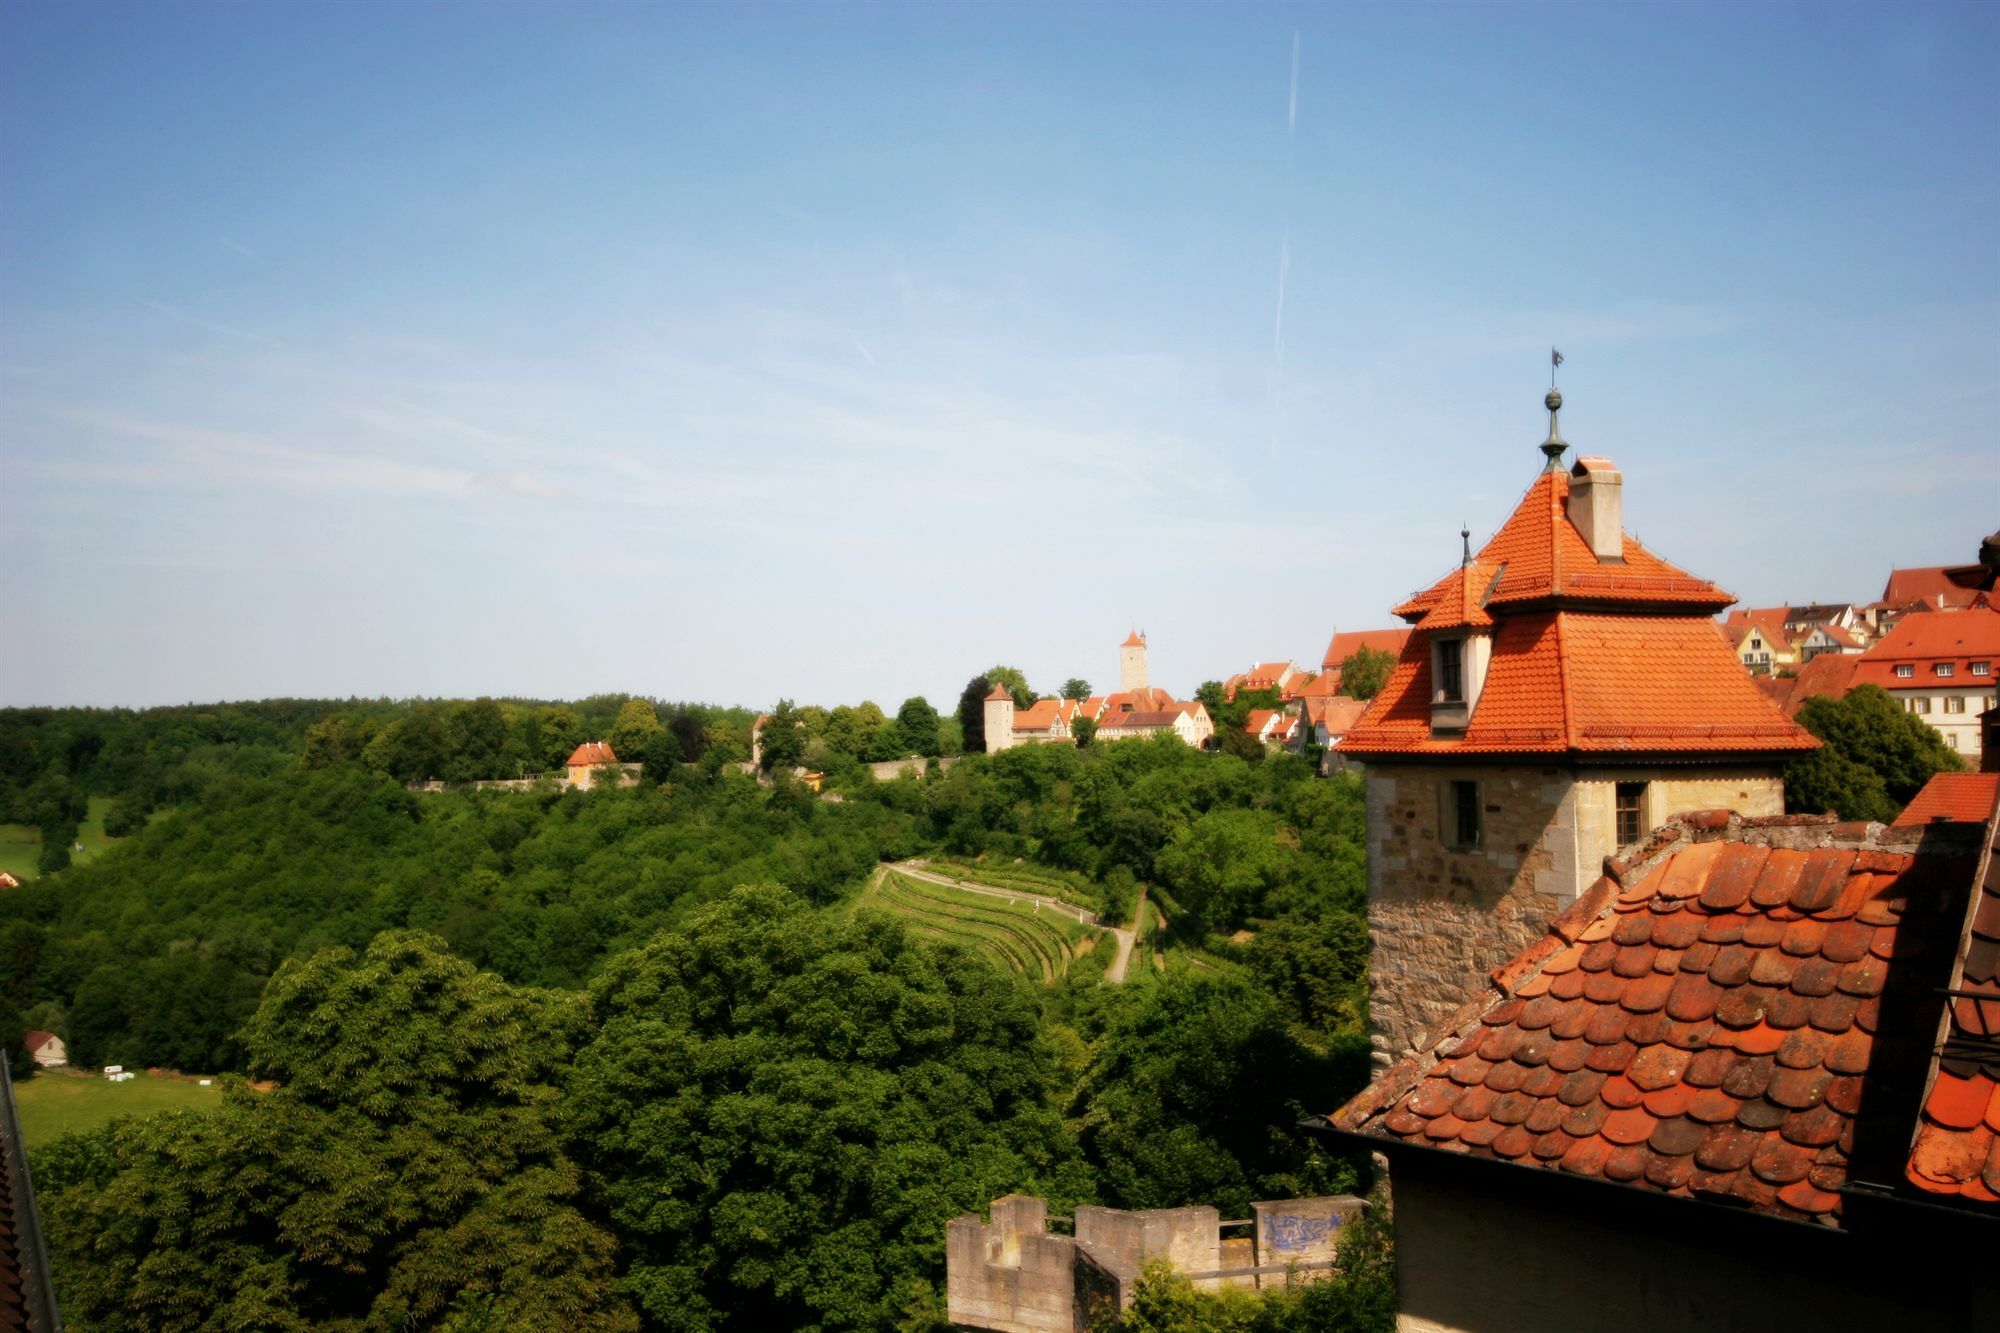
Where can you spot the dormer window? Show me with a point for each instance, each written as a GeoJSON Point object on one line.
{"type": "Point", "coordinates": [1458, 670]}
{"type": "Point", "coordinates": [1982, 668]}
{"type": "Point", "coordinates": [1943, 668]}
{"type": "Point", "coordinates": [1451, 671]}
{"type": "Point", "coordinates": [1904, 670]}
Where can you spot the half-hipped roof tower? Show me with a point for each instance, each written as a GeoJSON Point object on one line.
{"type": "Point", "coordinates": [1563, 691]}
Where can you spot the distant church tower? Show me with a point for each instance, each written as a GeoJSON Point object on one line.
{"type": "Point", "coordinates": [1132, 663]}
{"type": "Point", "coordinates": [1564, 692]}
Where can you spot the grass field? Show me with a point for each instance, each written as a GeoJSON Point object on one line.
{"type": "Point", "coordinates": [21, 845]}
{"type": "Point", "coordinates": [1040, 944]}
{"type": "Point", "coordinates": [59, 1101]}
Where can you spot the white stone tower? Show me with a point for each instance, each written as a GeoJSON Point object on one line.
{"type": "Point", "coordinates": [999, 719]}
{"type": "Point", "coordinates": [1132, 662]}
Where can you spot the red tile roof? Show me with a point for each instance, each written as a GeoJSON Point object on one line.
{"type": "Point", "coordinates": [1461, 599]}
{"type": "Point", "coordinates": [1942, 586]}
{"type": "Point", "coordinates": [1259, 721]}
{"type": "Point", "coordinates": [1347, 643]}
{"type": "Point", "coordinates": [1588, 656]}
{"type": "Point", "coordinates": [1147, 718]}
{"type": "Point", "coordinates": [1927, 638]}
{"type": "Point", "coordinates": [1547, 559]}
{"type": "Point", "coordinates": [999, 692]}
{"type": "Point", "coordinates": [1771, 624]}
{"type": "Point", "coordinates": [1962, 798]}
{"type": "Point", "coordinates": [1956, 1150]}
{"type": "Point", "coordinates": [1724, 1020]}
{"type": "Point", "coordinates": [1570, 681]}
{"type": "Point", "coordinates": [1337, 714]}
{"type": "Point", "coordinates": [1040, 716]}
{"type": "Point", "coordinates": [33, 1040]}
{"type": "Point", "coordinates": [590, 754]}
{"type": "Point", "coordinates": [1829, 674]}
{"type": "Point", "coordinates": [1134, 640]}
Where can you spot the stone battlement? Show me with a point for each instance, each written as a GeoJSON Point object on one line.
{"type": "Point", "coordinates": [1012, 1275]}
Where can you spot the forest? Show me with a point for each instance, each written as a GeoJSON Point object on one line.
{"type": "Point", "coordinates": [636, 1049]}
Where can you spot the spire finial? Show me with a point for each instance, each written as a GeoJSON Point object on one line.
{"type": "Point", "coordinates": [1554, 446]}
{"type": "Point", "coordinates": [1465, 536]}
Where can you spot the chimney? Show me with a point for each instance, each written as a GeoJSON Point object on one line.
{"type": "Point", "coordinates": [1596, 507]}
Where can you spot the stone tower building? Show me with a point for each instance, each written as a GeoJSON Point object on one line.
{"type": "Point", "coordinates": [999, 717]}
{"type": "Point", "coordinates": [1132, 663]}
{"type": "Point", "coordinates": [1563, 692]}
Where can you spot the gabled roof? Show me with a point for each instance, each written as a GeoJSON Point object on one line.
{"type": "Point", "coordinates": [1461, 599]}
{"type": "Point", "coordinates": [1960, 798]}
{"type": "Point", "coordinates": [1770, 624]}
{"type": "Point", "coordinates": [1336, 714]}
{"type": "Point", "coordinates": [1546, 559]}
{"type": "Point", "coordinates": [1260, 721]}
{"type": "Point", "coordinates": [1040, 716]}
{"type": "Point", "coordinates": [1930, 637]}
{"type": "Point", "coordinates": [590, 754]}
{"type": "Point", "coordinates": [1830, 674]}
{"type": "Point", "coordinates": [1347, 643]}
{"type": "Point", "coordinates": [1943, 586]}
{"type": "Point", "coordinates": [1957, 1146]}
{"type": "Point", "coordinates": [1732, 1014]}
{"type": "Point", "coordinates": [1564, 681]}
{"type": "Point", "coordinates": [33, 1040]}
{"type": "Point", "coordinates": [1134, 640]}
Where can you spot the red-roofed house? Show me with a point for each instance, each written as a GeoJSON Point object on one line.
{"type": "Point", "coordinates": [1346, 643]}
{"type": "Point", "coordinates": [1760, 640]}
{"type": "Point", "coordinates": [1280, 676]}
{"type": "Point", "coordinates": [1939, 665]}
{"type": "Point", "coordinates": [1829, 638]}
{"type": "Point", "coordinates": [46, 1048]}
{"type": "Point", "coordinates": [1713, 1096]}
{"type": "Point", "coordinates": [1956, 798]}
{"type": "Point", "coordinates": [1946, 587]}
{"type": "Point", "coordinates": [585, 760]}
{"type": "Point", "coordinates": [1563, 690]}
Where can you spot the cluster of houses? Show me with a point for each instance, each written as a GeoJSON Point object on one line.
{"type": "Point", "coordinates": [1932, 641]}
{"type": "Point", "coordinates": [1136, 709]}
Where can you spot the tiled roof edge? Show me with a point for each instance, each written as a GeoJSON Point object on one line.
{"type": "Point", "coordinates": [1626, 873]}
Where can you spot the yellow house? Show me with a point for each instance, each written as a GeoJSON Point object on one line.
{"type": "Point", "coordinates": [1760, 641]}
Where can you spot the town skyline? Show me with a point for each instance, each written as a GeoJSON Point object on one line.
{"type": "Point", "coordinates": [618, 350]}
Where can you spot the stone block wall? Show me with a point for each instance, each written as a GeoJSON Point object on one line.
{"type": "Point", "coordinates": [1010, 1275]}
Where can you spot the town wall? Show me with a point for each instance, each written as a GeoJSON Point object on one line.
{"type": "Point", "coordinates": [1440, 919]}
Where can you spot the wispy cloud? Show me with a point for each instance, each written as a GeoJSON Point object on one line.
{"type": "Point", "coordinates": [224, 329]}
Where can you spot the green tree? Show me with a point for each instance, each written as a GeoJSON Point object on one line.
{"type": "Point", "coordinates": [1085, 730]}
{"type": "Point", "coordinates": [972, 714]}
{"type": "Point", "coordinates": [1161, 1110]}
{"type": "Point", "coordinates": [918, 722]}
{"type": "Point", "coordinates": [475, 738]}
{"type": "Point", "coordinates": [1014, 680]}
{"type": "Point", "coordinates": [637, 721]}
{"type": "Point", "coordinates": [1365, 672]}
{"type": "Point", "coordinates": [562, 732]}
{"type": "Point", "coordinates": [784, 1109]}
{"type": "Point", "coordinates": [783, 738]}
{"type": "Point", "coordinates": [1076, 687]}
{"type": "Point", "coordinates": [1873, 759]}
{"type": "Point", "coordinates": [661, 756]}
{"type": "Point", "coordinates": [405, 1165]}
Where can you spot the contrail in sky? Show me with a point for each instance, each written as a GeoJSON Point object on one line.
{"type": "Point", "coordinates": [1284, 252]}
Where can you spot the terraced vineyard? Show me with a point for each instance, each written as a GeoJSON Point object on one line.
{"type": "Point", "coordinates": [1040, 944]}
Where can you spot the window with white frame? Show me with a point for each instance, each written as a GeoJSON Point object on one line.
{"type": "Point", "coordinates": [1954, 703]}
{"type": "Point", "coordinates": [1982, 668]}
{"type": "Point", "coordinates": [1943, 668]}
{"type": "Point", "coordinates": [1905, 670]}
{"type": "Point", "coordinates": [1920, 705]}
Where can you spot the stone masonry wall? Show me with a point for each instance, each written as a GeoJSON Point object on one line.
{"type": "Point", "coordinates": [1441, 919]}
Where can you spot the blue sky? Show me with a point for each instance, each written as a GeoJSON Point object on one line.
{"type": "Point", "coordinates": [839, 352]}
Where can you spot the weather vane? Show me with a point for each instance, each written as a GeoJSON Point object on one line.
{"type": "Point", "coordinates": [1555, 359]}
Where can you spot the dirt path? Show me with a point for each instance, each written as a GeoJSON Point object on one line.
{"type": "Point", "coordinates": [1126, 938]}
